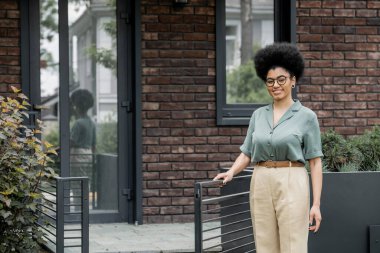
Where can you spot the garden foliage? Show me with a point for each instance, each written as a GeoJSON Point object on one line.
{"type": "Point", "coordinates": [244, 86]}
{"type": "Point", "coordinates": [358, 153]}
{"type": "Point", "coordinates": [23, 165]}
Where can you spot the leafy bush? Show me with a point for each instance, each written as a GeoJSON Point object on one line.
{"type": "Point", "coordinates": [23, 164]}
{"type": "Point", "coordinates": [359, 153]}
{"type": "Point", "coordinates": [106, 139]}
{"type": "Point", "coordinates": [244, 86]}
{"type": "Point", "coordinates": [338, 152]}
{"type": "Point", "coordinates": [369, 146]}
{"type": "Point", "coordinates": [52, 137]}
{"type": "Point", "coordinates": [349, 167]}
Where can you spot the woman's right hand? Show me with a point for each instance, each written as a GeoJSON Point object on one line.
{"type": "Point", "coordinates": [225, 176]}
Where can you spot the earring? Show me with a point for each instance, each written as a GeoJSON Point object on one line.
{"type": "Point", "coordinates": [293, 86]}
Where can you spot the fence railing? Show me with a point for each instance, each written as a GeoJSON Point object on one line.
{"type": "Point", "coordinates": [85, 165]}
{"type": "Point", "coordinates": [223, 223]}
{"type": "Point", "coordinates": [64, 214]}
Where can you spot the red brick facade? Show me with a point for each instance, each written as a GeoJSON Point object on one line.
{"type": "Point", "coordinates": [181, 142]}
{"type": "Point", "coordinates": [10, 73]}
{"type": "Point", "coordinates": [340, 40]}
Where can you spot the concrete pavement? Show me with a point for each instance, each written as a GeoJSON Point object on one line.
{"type": "Point", "coordinates": [147, 238]}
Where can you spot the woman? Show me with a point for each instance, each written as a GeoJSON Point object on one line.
{"type": "Point", "coordinates": [281, 137]}
{"type": "Point", "coordinates": [82, 135]}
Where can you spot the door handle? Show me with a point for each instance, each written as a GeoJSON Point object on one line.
{"type": "Point", "coordinates": [127, 105]}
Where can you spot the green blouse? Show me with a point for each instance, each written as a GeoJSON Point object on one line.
{"type": "Point", "coordinates": [296, 137]}
{"type": "Point", "coordinates": [83, 133]}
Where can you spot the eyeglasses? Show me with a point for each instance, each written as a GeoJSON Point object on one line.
{"type": "Point", "coordinates": [281, 80]}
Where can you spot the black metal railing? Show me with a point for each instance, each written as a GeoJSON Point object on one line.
{"type": "Point", "coordinates": [223, 223]}
{"type": "Point", "coordinates": [64, 214]}
{"type": "Point", "coordinates": [84, 165]}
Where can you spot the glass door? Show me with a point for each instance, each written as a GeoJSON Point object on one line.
{"type": "Point", "coordinates": [79, 91]}
{"type": "Point", "coordinates": [93, 99]}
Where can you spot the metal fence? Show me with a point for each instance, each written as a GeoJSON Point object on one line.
{"type": "Point", "coordinates": [84, 165]}
{"type": "Point", "coordinates": [64, 214]}
{"type": "Point", "coordinates": [223, 223]}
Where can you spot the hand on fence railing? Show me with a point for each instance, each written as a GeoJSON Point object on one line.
{"type": "Point", "coordinates": [225, 176]}
{"type": "Point", "coordinates": [222, 221]}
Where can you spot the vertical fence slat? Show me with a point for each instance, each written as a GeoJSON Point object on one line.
{"type": "Point", "coordinates": [60, 223]}
{"type": "Point", "coordinates": [85, 215]}
{"type": "Point", "coordinates": [198, 218]}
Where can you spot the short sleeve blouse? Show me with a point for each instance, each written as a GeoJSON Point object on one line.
{"type": "Point", "coordinates": [82, 133]}
{"type": "Point", "coordinates": [296, 137]}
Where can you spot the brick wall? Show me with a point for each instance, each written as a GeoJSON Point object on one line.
{"type": "Point", "coordinates": [9, 45]}
{"type": "Point", "coordinates": [340, 40]}
{"type": "Point", "coordinates": [181, 141]}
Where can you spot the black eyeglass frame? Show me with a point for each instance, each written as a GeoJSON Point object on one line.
{"type": "Point", "coordinates": [281, 83]}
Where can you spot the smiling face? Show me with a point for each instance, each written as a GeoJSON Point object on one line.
{"type": "Point", "coordinates": [282, 83]}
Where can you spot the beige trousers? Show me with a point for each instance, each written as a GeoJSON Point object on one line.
{"type": "Point", "coordinates": [280, 201]}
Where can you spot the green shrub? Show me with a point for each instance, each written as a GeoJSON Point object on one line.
{"type": "Point", "coordinates": [106, 139]}
{"type": "Point", "coordinates": [369, 145]}
{"type": "Point", "coordinates": [52, 137]}
{"type": "Point", "coordinates": [377, 168]}
{"type": "Point", "coordinates": [349, 167]}
{"type": "Point", "coordinates": [339, 152]}
{"type": "Point", "coordinates": [359, 153]}
{"type": "Point", "coordinates": [244, 86]}
{"type": "Point", "coordinates": [23, 164]}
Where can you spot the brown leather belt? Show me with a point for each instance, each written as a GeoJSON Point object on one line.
{"type": "Point", "coordinates": [278, 164]}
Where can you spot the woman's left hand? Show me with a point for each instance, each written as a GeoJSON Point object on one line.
{"type": "Point", "coordinates": [315, 218]}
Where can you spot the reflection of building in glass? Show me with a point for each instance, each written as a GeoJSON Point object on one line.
{"type": "Point", "coordinates": [263, 28]}
{"type": "Point", "coordinates": [89, 34]}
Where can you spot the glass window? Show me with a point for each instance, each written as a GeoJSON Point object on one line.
{"type": "Point", "coordinates": [92, 90]}
{"type": "Point", "coordinates": [249, 27]}
{"type": "Point", "coordinates": [93, 99]}
{"type": "Point", "coordinates": [246, 26]}
{"type": "Point", "coordinates": [89, 107]}
{"type": "Point", "coordinates": [49, 71]}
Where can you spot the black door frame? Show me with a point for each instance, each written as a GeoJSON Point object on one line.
{"type": "Point", "coordinates": [129, 96]}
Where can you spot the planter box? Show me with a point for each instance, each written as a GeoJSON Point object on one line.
{"type": "Point", "coordinates": [350, 207]}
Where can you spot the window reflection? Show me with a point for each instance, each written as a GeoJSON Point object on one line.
{"type": "Point", "coordinates": [92, 92]}
{"type": "Point", "coordinates": [92, 38]}
{"type": "Point", "coordinates": [49, 72]}
{"type": "Point", "coordinates": [249, 27]}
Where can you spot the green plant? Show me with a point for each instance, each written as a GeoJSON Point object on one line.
{"type": "Point", "coordinates": [339, 152]}
{"type": "Point", "coordinates": [349, 167]}
{"type": "Point", "coordinates": [52, 137]}
{"type": "Point", "coordinates": [106, 56]}
{"type": "Point", "coordinates": [23, 164]}
{"type": "Point", "coordinates": [244, 86]}
{"type": "Point", "coordinates": [369, 146]}
{"type": "Point", "coordinates": [377, 168]}
{"type": "Point", "coordinates": [107, 137]}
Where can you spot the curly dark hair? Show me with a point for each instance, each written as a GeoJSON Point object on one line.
{"type": "Point", "coordinates": [283, 55]}
{"type": "Point", "coordinates": [82, 99]}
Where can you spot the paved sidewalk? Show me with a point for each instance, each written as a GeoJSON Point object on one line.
{"type": "Point", "coordinates": [148, 238]}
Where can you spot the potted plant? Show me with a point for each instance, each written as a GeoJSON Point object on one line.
{"type": "Point", "coordinates": [350, 198]}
